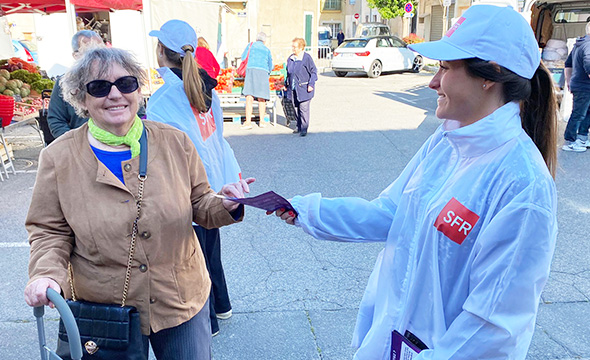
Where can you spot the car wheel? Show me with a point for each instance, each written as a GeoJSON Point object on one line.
{"type": "Point", "coordinates": [418, 64]}
{"type": "Point", "coordinates": [340, 73]}
{"type": "Point", "coordinates": [375, 69]}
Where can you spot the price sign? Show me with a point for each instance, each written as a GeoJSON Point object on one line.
{"type": "Point", "coordinates": [408, 8]}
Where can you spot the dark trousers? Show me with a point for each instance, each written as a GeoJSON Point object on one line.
{"type": "Point", "coordinates": [219, 299]}
{"type": "Point", "coordinates": [188, 341]}
{"type": "Point", "coordinates": [579, 121]}
{"type": "Point", "coordinates": [302, 109]}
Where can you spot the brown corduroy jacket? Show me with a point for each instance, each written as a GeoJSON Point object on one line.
{"type": "Point", "coordinates": [81, 212]}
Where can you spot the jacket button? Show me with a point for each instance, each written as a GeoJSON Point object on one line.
{"type": "Point", "coordinates": [146, 234]}
{"type": "Point", "coordinates": [143, 268]}
{"type": "Point", "coordinates": [127, 167]}
{"type": "Point", "coordinates": [152, 300]}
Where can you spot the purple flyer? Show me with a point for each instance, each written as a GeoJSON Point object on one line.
{"type": "Point", "coordinates": [269, 201]}
{"type": "Point", "coordinates": [402, 348]}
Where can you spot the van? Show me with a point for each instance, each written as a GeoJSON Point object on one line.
{"type": "Point", "coordinates": [559, 20]}
{"type": "Point", "coordinates": [324, 36]}
{"type": "Point", "coordinates": [365, 30]}
{"type": "Point", "coordinates": [556, 24]}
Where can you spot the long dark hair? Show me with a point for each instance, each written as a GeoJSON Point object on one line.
{"type": "Point", "coordinates": [538, 107]}
{"type": "Point", "coordinates": [193, 84]}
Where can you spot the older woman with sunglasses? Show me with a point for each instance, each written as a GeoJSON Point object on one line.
{"type": "Point", "coordinates": [84, 205]}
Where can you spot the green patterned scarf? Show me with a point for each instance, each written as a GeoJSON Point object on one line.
{"type": "Point", "coordinates": [131, 139]}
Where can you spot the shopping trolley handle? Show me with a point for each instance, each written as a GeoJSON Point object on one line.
{"type": "Point", "coordinates": [68, 320]}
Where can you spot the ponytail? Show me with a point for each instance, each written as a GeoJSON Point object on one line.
{"type": "Point", "coordinates": [538, 107]}
{"type": "Point", "coordinates": [539, 116]}
{"type": "Point", "coordinates": [193, 84]}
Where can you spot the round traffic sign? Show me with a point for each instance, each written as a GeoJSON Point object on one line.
{"type": "Point", "coordinates": [356, 16]}
{"type": "Point", "coordinates": [408, 7]}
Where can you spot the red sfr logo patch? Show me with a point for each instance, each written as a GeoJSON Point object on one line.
{"type": "Point", "coordinates": [456, 221]}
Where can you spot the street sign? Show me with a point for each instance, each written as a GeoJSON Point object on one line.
{"type": "Point", "coordinates": [408, 8]}
{"type": "Point", "coordinates": [409, 15]}
{"type": "Point", "coordinates": [446, 2]}
{"type": "Point", "coordinates": [356, 16]}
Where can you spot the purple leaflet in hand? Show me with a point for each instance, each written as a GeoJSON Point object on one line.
{"type": "Point", "coordinates": [269, 201]}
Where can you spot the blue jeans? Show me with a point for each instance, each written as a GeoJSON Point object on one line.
{"type": "Point", "coordinates": [579, 122]}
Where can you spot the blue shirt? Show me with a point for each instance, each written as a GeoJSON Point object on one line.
{"type": "Point", "coordinates": [112, 160]}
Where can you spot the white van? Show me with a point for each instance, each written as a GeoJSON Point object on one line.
{"type": "Point", "coordinates": [324, 36]}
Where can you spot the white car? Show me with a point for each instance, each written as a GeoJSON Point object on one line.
{"type": "Point", "coordinates": [375, 55]}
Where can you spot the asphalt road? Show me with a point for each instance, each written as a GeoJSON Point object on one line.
{"type": "Point", "coordinates": [295, 297]}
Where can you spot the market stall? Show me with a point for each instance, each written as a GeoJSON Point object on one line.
{"type": "Point", "coordinates": [230, 86]}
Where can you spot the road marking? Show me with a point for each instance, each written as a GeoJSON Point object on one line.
{"type": "Point", "coordinates": [13, 245]}
{"type": "Point", "coordinates": [26, 171]}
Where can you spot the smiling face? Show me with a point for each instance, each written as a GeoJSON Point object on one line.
{"type": "Point", "coordinates": [115, 112]}
{"type": "Point", "coordinates": [297, 48]}
{"type": "Point", "coordinates": [461, 96]}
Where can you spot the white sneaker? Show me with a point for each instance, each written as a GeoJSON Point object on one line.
{"type": "Point", "coordinates": [224, 316]}
{"type": "Point", "coordinates": [585, 143]}
{"type": "Point", "coordinates": [576, 146]}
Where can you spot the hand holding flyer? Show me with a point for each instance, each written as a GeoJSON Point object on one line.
{"type": "Point", "coordinates": [269, 201]}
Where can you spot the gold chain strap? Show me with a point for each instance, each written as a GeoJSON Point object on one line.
{"type": "Point", "coordinates": [131, 247]}
{"type": "Point", "coordinates": [133, 237]}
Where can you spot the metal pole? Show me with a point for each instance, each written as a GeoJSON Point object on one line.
{"type": "Point", "coordinates": [71, 14]}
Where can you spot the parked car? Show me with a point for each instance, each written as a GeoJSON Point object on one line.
{"type": "Point", "coordinates": [365, 30]}
{"type": "Point", "coordinates": [374, 56]}
{"type": "Point", "coordinates": [21, 52]}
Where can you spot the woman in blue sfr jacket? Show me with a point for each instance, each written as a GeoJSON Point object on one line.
{"type": "Point", "coordinates": [470, 224]}
{"type": "Point", "coordinates": [300, 83]}
{"type": "Point", "coordinates": [188, 101]}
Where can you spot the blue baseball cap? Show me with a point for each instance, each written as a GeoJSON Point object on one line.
{"type": "Point", "coordinates": [175, 34]}
{"type": "Point", "coordinates": [491, 33]}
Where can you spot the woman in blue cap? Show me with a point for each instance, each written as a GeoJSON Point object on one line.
{"type": "Point", "coordinates": [188, 101]}
{"type": "Point", "coordinates": [470, 224]}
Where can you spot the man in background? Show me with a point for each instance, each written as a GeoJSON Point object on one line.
{"type": "Point", "coordinates": [577, 78]}
{"type": "Point", "coordinates": [340, 37]}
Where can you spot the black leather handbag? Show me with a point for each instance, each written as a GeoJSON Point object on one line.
{"type": "Point", "coordinates": [109, 331]}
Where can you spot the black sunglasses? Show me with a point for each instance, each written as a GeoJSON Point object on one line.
{"type": "Point", "coordinates": [101, 88]}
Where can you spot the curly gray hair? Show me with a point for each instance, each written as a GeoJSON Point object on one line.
{"type": "Point", "coordinates": [96, 64]}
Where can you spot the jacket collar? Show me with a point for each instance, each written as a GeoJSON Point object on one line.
{"type": "Point", "coordinates": [103, 174]}
{"type": "Point", "coordinates": [486, 134]}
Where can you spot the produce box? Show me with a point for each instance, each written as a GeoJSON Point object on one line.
{"type": "Point", "coordinates": [3, 153]}
{"type": "Point", "coordinates": [237, 90]}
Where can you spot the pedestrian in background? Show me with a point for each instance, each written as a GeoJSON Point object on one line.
{"type": "Point", "coordinates": [89, 190]}
{"type": "Point", "coordinates": [61, 116]}
{"type": "Point", "coordinates": [340, 37]}
{"type": "Point", "coordinates": [206, 59]}
{"type": "Point", "coordinates": [470, 224]}
{"type": "Point", "coordinates": [256, 84]}
{"type": "Point", "coordinates": [201, 118]}
{"type": "Point", "coordinates": [577, 75]}
{"type": "Point", "coordinates": [300, 83]}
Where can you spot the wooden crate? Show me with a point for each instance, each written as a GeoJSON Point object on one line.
{"type": "Point", "coordinates": [3, 152]}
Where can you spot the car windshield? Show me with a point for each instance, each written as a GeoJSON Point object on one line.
{"type": "Point", "coordinates": [354, 44]}
{"type": "Point", "coordinates": [324, 35]}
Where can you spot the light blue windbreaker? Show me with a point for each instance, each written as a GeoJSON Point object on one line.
{"type": "Point", "coordinates": [477, 300]}
{"type": "Point", "coordinates": [259, 58]}
{"type": "Point", "coordinates": [170, 105]}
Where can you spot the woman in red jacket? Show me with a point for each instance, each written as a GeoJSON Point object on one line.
{"type": "Point", "coordinates": [205, 58]}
